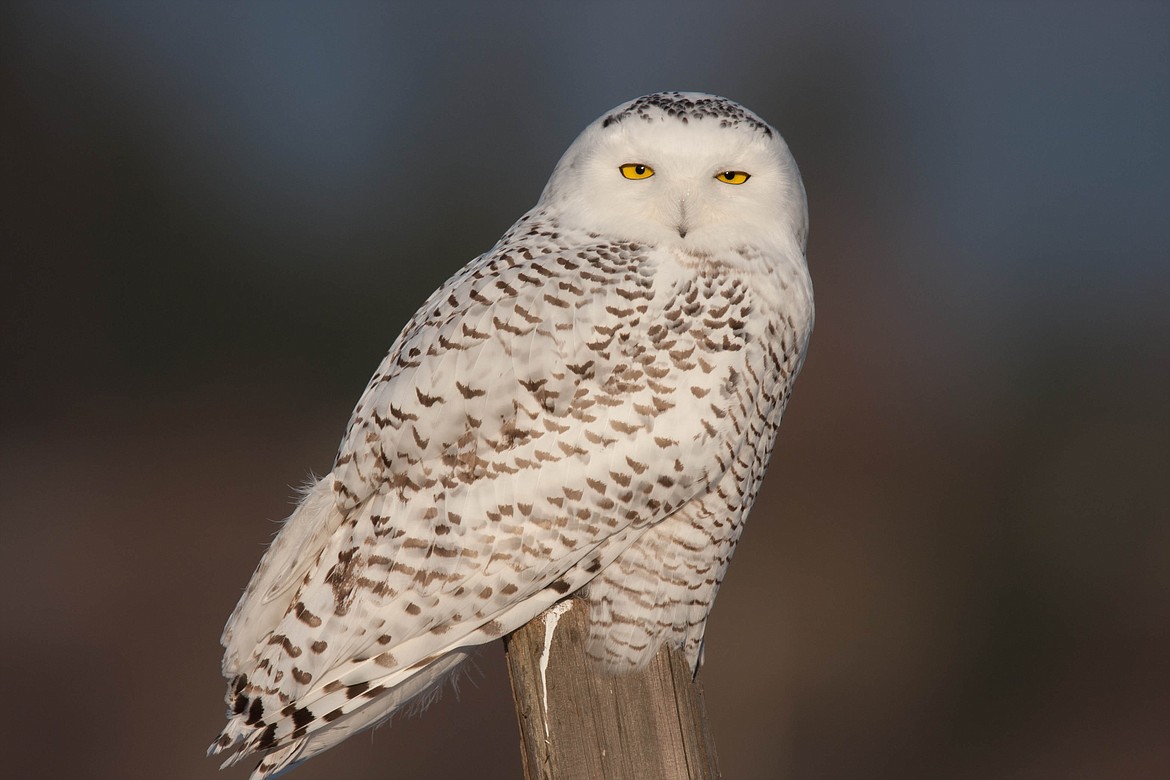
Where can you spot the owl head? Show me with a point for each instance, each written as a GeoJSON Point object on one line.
{"type": "Point", "coordinates": [683, 169]}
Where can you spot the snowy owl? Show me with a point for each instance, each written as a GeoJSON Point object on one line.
{"type": "Point", "coordinates": [587, 408]}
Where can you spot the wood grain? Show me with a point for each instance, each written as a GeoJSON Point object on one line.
{"type": "Point", "coordinates": [648, 725]}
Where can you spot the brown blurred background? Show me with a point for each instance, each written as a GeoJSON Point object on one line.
{"type": "Point", "coordinates": [218, 215]}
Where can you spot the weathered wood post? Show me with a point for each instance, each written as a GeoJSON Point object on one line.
{"type": "Point", "coordinates": [577, 723]}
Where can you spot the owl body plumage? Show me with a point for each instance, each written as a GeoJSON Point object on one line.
{"type": "Point", "coordinates": [580, 410]}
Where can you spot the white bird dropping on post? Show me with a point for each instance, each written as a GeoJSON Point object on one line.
{"type": "Point", "coordinates": [592, 402]}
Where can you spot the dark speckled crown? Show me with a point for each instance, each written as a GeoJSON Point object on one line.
{"type": "Point", "coordinates": [685, 108]}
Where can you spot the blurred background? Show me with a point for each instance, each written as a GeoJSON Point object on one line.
{"type": "Point", "coordinates": [217, 216]}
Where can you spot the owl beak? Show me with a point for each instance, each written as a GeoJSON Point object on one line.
{"type": "Point", "coordinates": [682, 226]}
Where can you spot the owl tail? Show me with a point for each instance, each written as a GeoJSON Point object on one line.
{"type": "Point", "coordinates": [411, 695]}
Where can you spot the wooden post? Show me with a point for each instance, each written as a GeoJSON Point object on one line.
{"type": "Point", "coordinates": [648, 725]}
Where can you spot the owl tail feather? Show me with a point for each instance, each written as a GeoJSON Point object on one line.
{"type": "Point", "coordinates": [411, 695]}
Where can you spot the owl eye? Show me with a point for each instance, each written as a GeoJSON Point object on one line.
{"type": "Point", "coordinates": [733, 177]}
{"type": "Point", "coordinates": [636, 171]}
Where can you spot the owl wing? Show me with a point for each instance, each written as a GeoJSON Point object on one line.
{"type": "Point", "coordinates": [538, 415]}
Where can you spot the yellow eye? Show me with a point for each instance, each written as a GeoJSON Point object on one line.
{"type": "Point", "coordinates": [733, 177]}
{"type": "Point", "coordinates": [636, 171]}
